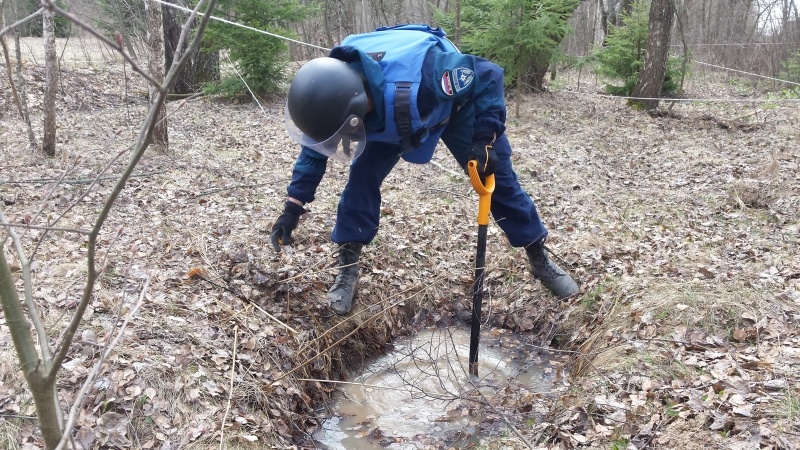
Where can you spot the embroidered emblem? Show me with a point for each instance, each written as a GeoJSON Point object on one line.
{"type": "Point", "coordinates": [462, 78]}
{"type": "Point", "coordinates": [447, 85]}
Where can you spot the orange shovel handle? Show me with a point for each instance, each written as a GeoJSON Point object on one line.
{"type": "Point", "coordinates": [484, 191]}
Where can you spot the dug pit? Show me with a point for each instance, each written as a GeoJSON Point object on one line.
{"type": "Point", "coordinates": [420, 393]}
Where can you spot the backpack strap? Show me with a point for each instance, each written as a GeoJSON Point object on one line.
{"type": "Point", "coordinates": [402, 112]}
{"type": "Point", "coordinates": [402, 117]}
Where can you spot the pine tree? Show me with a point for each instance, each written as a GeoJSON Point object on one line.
{"type": "Point", "coordinates": [522, 36]}
{"type": "Point", "coordinates": [622, 56]}
{"type": "Point", "coordinates": [257, 57]}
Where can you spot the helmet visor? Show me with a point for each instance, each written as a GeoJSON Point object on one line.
{"type": "Point", "coordinates": [345, 145]}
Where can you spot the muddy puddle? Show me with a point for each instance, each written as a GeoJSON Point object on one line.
{"type": "Point", "coordinates": [420, 394]}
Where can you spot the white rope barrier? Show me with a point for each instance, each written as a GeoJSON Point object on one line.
{"type": "Point", "coordinates": [735, 44]}
{"type": "Point", "coordinates": [669, 99]}
{"type": "Point", "coordinates": [243, 26]}
{"type": "Point", "coordinates": [746, 73]}
{"type": "Point", "coordinates": [711, 100]}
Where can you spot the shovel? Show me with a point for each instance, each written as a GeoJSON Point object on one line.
{"type": "Point", "coordinates": [484, 203]}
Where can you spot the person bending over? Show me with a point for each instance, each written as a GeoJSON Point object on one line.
{"type": "Point", "coordinates": [392, 94]}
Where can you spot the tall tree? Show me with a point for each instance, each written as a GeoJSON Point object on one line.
{"type": "Point", "coordinates": [522, 36]}
{"type": "Point", "coordinates": [51, 84]}
{"type": "Point", "coordinates": [257, 57]}
{"type": "Point", "coordinates": [18, 94]}
{"type": "Point", "coordinates": [654, 69]}
{"type": "Point", "coordinates": [155, 66]}
{"type": "Point", "coordinates": [200, 68]}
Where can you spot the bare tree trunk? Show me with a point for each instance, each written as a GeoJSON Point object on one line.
{"type": "Point", "coordinates": [42, 388]}
{"type": "Point", "coordinates": [682, 18]}
{"type": "Point", "coordinates": [201, 68]}
{"type": "Point", "coordinates": [18, 95]}
{"type": "Point", "coordinates": [651, 78]}
{"type": "Point", "coordinates": [155, 66]}
{"type": "Point", "coordinates": [51, 85]}
{"type": "Point", "coordinates": [600, 23]}
{"type": "Point", "coordinates": [23, 99]}
{"type": "Point", "coordinates": [9, 70]}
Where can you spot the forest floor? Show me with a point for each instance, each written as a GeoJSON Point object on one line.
{"type": "Point", "coordinates": [682, 231]}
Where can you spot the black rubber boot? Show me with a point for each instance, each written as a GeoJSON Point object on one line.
{"type": "Point", "coordinates": [552, 276]}
{"type": "Point", "coordinates": [344, 287]}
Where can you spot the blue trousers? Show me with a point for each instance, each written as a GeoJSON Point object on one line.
{"type": "Point", "coordinates": [358, 213]}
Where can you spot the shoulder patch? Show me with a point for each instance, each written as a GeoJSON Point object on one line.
{"type": "Point", "coordinates": [447, 84]}
{"type": "Point", "coordinates": [462, 78]}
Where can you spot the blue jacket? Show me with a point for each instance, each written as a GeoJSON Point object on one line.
{"type": "Point", "coordinates": [436, 77]}
{"type": "Point", "coordinates": [392, 60]}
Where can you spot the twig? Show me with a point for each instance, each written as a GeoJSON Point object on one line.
{"type": "Point", "coordinates": [52, 7]}
{"type": "Point", "coordinates": [16, 416]}
{"type": "Point", "coordinates": [445, 169]}
{"type": "Point", "coordinates": [227, 188]}
{"type": "Point", "coordinates": [10, 73]}
{"type": "Point", "coordinates": [43, 203]}
{"type": "Point", "coordinates": [242, 297]}
{"type": "Point", "coordinates": [589, 361]}
{"type": "Point", "coordinates": [80, 180]}
{"type": "Point", "coordinates": [36, 227]}
{"type": "Point", "coordinates": [348, 383]}
{"type": "Point", "coordinates": [75, 202]}
{"type": "Point", "coordinates": [20, 82]}
{"type": "Point", "coordinates": [515, 430]}
{"type": "Point", "coordinates": [345, 337]}
{"type": "Point", "coordinates": [616, 211]}
{"type": "Point", "coordinates": [655, 431]}
{"type": "Point", "coordinates": [673, 341]}
{"type": "Point", "coordinates": [125, 274]}
{"type": "Point", "coordinates": [230, 389]}
{"type": "Point", "coordinates": [572, 352]}
{"type": "Point", "coordinates": [503, 416]}
{"type": "Point", "coordinates": [87, 385]}
{"type": "Point", "coordinates": [35, 317]}
{"type": "Point", "coordinates": [21, 22]}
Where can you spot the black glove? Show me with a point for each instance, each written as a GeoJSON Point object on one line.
{"type": "Point", "coordinates": [286, 223]}
{"type": "Point", "coordinates": [484, 154]}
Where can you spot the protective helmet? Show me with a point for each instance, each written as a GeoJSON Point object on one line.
{"type": "Point", "coordinates": [326, 108]}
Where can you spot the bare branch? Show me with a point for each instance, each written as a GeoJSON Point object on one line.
{"type": "Point", "coordinates": [44, 202]}
{"type": "Point", "coordinates": [10, 73]}
{"type": "Point", "coordinates": [143, 141]}
{"type": "Point", "coordinates": [230, 389]}
{"type": "Point", "coordinates": [51, 6]}
{"type": "Point", "coordinates": [36, 227]}
{"type": "Point", "coordinates": [33, 313]}
{"type": "Point", "coordinates": [21, 22]}
{"type": "Point", "coordinates": [87, 385]}
{"type": "Point", "coordinates": [15, 317]}
{"type": "Point", "coordinates": [78, 180]}
{"type": "Point", "coordinates": [82, 196]}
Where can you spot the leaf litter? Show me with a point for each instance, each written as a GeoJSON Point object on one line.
{"type": "Point", "coordinates": [682, 231]}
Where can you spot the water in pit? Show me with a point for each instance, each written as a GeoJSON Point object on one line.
{"type": "Point", "coordinates": [414, 396]}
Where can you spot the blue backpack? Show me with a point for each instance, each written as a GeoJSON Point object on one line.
{"type": "Point", "coordinates": [400, 51]}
